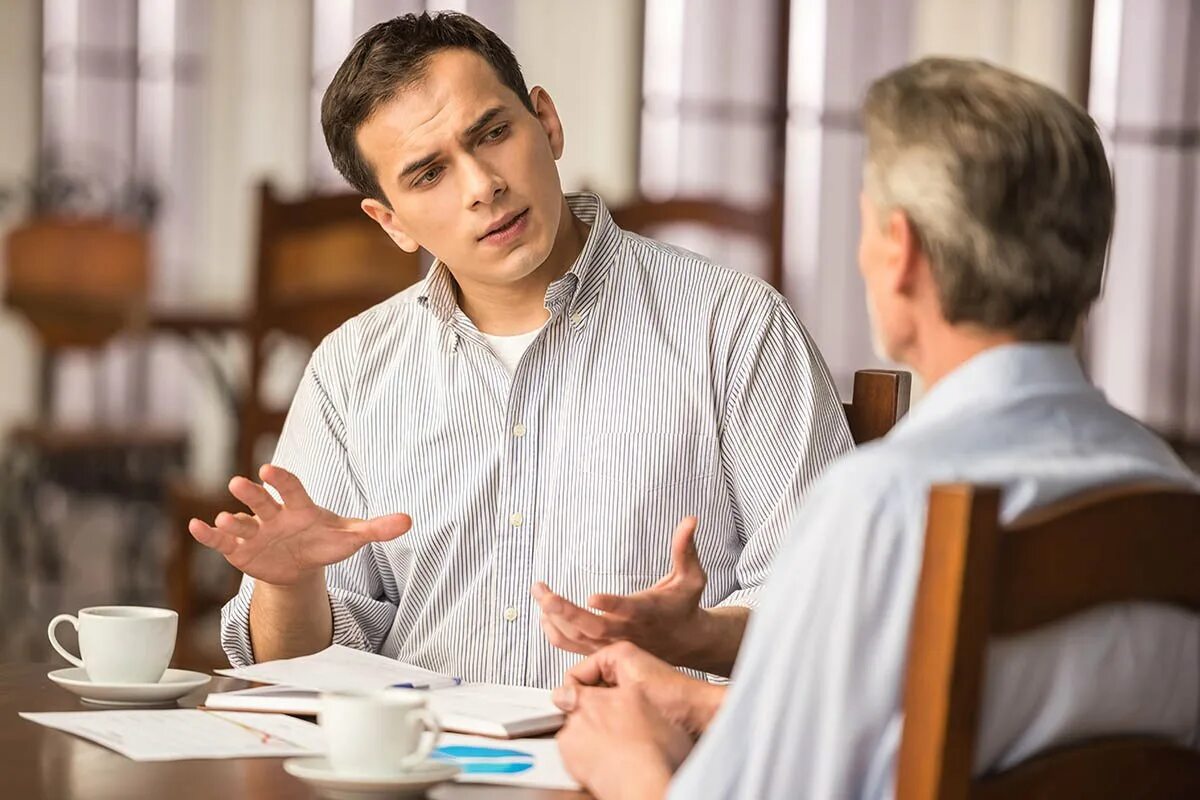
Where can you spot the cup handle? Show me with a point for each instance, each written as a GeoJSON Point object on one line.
{"type": "Point", "coordinates": [429, 739]}
{"type": "Point", "coordinates": [62, 651]}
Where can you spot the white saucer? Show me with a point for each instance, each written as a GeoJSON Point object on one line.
{"type": "Point", "coordinates": [175, 683]}
{"type": "Point", "coordinates": [318, 772]}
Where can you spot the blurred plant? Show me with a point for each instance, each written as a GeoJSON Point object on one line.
{"type": "Point", "coordinates": [59, 190]}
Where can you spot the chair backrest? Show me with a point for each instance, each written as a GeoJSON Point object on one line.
{"type": "Point", "coordinates": [745, 236]}
{"type": "Point", "coordinates": [79, 282]}
{"type": "Point", "coordinates": [880, 399]}
{"type": "Point", "coordinates": [979, 579]}
{"type": "Point", "coordinates": [644, 216]}
{"type": "Point", "coordinates": [321, 261]}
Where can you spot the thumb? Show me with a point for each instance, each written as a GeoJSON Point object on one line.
{"type": "Point", "coordinates": [685, 561]}
{"type": "Point", "coordinates": [386, 528]}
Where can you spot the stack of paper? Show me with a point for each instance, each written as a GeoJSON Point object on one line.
{"type": "Point", "coordinates": [485, 709]}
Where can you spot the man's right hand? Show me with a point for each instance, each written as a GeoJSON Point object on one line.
{"type": "Point", "coordinates": [292, 543]}
{"type": "Point", "coordinates": [683, 701]}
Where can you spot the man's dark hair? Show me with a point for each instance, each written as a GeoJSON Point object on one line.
{"type": "Point", "coordinates": [389, 58]}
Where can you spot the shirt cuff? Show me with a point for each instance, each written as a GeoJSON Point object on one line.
{"type": "Point", "coordinates": [346, 630]}
{"type": "Point", "coordinates": [235, 625]}
{"type": "Point", "coordinates": [747, 598]}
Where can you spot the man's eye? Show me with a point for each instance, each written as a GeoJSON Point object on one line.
{"type": "Point", "coordinates": [495, 133]}
{"type": "Point", "coordinates": [430, 175]}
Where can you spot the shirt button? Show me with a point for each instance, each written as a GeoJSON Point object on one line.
{"type": "Point", "coordinates": [518, 430]}
{"type": "Point", "coordinates": [516, 520]}
{"type": "Point", "coordinates": [576, 318]}
{"type": "Point", "coordinates": [510, 614]}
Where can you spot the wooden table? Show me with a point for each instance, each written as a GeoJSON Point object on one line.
{"type": "Point", "coordinates": [39, 763]}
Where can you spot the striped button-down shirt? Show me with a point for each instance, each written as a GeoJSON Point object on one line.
{"type": "Point", "coordinates": [661, 386]}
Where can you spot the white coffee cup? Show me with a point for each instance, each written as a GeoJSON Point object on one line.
{"type": "Point", "coordinates": [378, 735]}
{"type": "Point", "coordinates": [121, 644]}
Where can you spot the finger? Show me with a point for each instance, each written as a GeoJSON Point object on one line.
{"type": "Point", "coordinates": [256, 498]}
{"type": "Point", "coordinates": [239, 526]}
{"type": "Point", "coordinates": [210, 537]}
{"type": "Point", "coordinates": [383, 529]}
{"type": "Point", "coordinates": [684, 558]}
{"type": "Point", "coordinates": [615, 604]}
{"type": "Point", "coordinates": [565, 696]}
{"type": "Point", "coordinates": [287, 484]}
{"type": "Point", "coordinates": [569, 640]}
{"type": "Point", "coordinates": [571, 618]}
{"type": "Point", "coordinates": [588, 672]}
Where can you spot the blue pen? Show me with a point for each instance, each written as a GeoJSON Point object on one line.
{"type": "Point", "coordinates": [409, 685]}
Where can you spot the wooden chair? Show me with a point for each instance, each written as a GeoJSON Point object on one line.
{"type": "Point", "coordinates": [681, 220]}
{"type": "Point", "coordinates": [980, 579]}
{"type": "Point", "coordinates": [320, 261]}
{"type": "Point", "coordinates": [80, 283]}
{"type": "Point", "coordinates": [879, 400]}
{"type": "Point", "coordinates": [646, 216]}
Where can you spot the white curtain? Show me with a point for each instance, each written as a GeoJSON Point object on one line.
{"type": "Point", "coordinates": [710, 113]}
{"type": "Point", "coordinates": [836, 50]}
{"type": "Point", "coordinates": [1145, 334]}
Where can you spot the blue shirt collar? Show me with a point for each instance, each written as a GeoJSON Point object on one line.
{"type": "Point", "coordinates": [998, 375]}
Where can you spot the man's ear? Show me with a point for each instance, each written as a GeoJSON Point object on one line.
{"type": "Point", "coordinates": [387, 220]}
{"type": "Point", "coordinates": [905, 256]}
{"type": "Point", "coordinates": [547, 114]}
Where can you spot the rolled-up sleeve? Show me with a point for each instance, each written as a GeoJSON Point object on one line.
{"type": "Point", "coordinates": [313, 447]}
{"type": "Point", "coordinates": [783, 425]}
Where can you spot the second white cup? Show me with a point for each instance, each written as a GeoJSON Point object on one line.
{"type": "Point", "coordinates": [379, 735]}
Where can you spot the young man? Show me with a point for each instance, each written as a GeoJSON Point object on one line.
{"type": "Point", "coordinates": [543, 408]}
{"type": "Point", "coordinates": [986, 215]}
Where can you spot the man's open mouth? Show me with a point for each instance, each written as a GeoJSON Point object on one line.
{"type": "Point", "coordinates": [506, 225]}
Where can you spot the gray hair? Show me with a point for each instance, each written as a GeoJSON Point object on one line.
{"type": "Point", "coordinates": [1006, 185]}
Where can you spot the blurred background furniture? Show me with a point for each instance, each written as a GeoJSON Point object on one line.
{"type": "Point", "coordinates": [320, 261]}
{"type": "Point", "coordinates": [80, 283]}
{"type": "Point", "coordinates": [980, 579]}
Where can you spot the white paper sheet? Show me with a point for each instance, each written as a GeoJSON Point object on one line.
{"type": "Point", "coordinates": [178, 734]}
{"type": "Point", "coordinates": [515, 762]}
{"type": "Point", "coordinates": [340, 669]}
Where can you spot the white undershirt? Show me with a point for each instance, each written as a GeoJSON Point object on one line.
{"type": "Point", "coordinates": [509, 349]}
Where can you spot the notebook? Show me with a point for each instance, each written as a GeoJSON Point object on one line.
{"type": "Point", "coordinates": [493, 710]}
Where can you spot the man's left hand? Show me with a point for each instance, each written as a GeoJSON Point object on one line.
{"type": "Point", "coordinates": [665, 619]}
{"type": "Point", "coordinates": [618, 746]}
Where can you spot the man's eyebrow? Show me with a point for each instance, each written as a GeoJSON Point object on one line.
{"type": "Point", "coordinates": [469, 133]}
{"type": "Point", "coordinates": [417, 165]}
{"type": "Point", "coordinates": [482, 122]}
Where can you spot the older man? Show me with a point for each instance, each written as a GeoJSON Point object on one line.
{"type": "Point", "coordinates": [986, 216]}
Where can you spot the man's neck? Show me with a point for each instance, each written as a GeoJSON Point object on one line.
{"type": "Point", "coordinates": [943, 348]}
{"type": "Point", "coordinates": [521, 307]}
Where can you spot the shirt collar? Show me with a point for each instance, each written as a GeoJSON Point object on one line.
{"type": "Point", "coordinates": [999, 374]}
{"type": "Point", "coordinates": [575, 292]}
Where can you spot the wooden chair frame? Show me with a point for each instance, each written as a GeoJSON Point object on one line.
{"type": "Point", "coordinates": [879, 400]}
{"type": "Point", "coordinates": [980, 579]}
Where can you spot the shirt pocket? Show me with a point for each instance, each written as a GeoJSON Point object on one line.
{"type": "Point", "coordinates": [632, 489]}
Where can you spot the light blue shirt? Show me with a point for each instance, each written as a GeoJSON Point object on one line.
{"type": "Point", "coordinates": [815, 706]}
